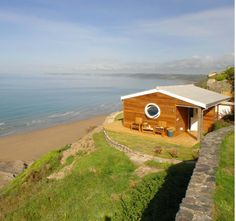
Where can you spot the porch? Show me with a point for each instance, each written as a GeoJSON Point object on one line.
{"type": "Point", "coordinates": [187, 139]}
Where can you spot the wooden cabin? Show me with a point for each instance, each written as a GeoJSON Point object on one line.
{"type": "Point", "coordinates": [180, 107]}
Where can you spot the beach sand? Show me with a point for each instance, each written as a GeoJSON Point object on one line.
{"type": "Point", "coordinates": [32, 145]}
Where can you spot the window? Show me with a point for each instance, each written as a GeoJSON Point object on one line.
{"type": "Point", "coordinates": [152, 110]}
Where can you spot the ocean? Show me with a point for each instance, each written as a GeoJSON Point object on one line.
{"type": "Point", "coordinates": [29, 102]}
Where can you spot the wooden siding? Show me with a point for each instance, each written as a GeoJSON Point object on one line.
{"type": "Point", "coordinates": [209, 117]}
{"type": "Point", "coordinates": [134, 107]}
{"type": "Point", "coordinates": [182, 119]}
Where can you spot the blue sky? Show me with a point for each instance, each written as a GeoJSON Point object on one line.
{"type": "Point", "coordinates": [108, 36]}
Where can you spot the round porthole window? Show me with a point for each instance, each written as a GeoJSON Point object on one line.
{"type": "Point", "coordinates": [152, 111]}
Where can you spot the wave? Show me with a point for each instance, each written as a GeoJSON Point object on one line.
{"type": "Point", "coordinates": [33, 122]}
{"type": "Point", "coordinates": [69, 113]}
{"type": "Point", "coordinates": [2, 124]}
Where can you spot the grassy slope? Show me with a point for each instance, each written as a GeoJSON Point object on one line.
{"type": "Point", "coordinates": [224, 194]}
{"type": "Point", "coordinates": [89, 193]}
{"type": "Point", "coordinates": [102, 186]}
{"type": "Point", "coordinates": [147, 145]}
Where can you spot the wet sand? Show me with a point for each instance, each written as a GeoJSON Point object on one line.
{"type": "Point", "coordinates": [32, 145]}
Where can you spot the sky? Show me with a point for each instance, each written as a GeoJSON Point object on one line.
{"type": "Point", "coordinates": [116, 36]}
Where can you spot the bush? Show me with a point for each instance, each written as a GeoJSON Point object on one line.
{"type": "Point", "coordinates": [220, 124]}
{"type": "Point", "coordinates": [136, 201]}
{"type": "Point", "coordinates": [220, 77]}
{"type": "Point", "coordinates": [230, 74]}
{"type": "Point", "coordinates": [229, 117]}
{"type": "Point", "coordinates": [227, 74]}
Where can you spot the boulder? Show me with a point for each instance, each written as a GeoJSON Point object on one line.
{"type": "Point", "coordinates": [5, 177]}
{"type": "Point", "coordinates": [14, 167]}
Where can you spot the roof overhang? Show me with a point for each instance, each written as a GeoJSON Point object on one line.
{"type": "Point", "coordinates": [139, 94]}
{"type": "Point", "coordinates": [188, 100]}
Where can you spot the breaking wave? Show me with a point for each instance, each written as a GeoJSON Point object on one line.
{"type": "Point", "coordinates": [2, 123]}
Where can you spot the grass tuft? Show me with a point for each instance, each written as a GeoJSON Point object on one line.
{"type": "Point", "coordinates": [224, 193]}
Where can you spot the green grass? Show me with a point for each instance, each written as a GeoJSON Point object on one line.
{"type": "Point", "coordinates": [69, 160]}
{"type": "Point", "coordinates": [102, 186]}
{"type": "Point", "coordinates": [224, 193]}
{"type": "Point", "coordinates": [147, 145]}
{"type": "Point", "coordinates": [91, 192]}
{"type": "Point", "coordinates": [37, 171]}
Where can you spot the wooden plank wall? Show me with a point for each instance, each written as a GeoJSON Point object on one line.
{"type": "Point", "coordinates": [182, 119]}
{"type": "Point", "coordinates": [134, 107]}
{"type": "Point", "coordinates": [209, 117]}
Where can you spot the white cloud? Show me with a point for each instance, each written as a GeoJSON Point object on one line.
{"type": "Point", "coordinates": [62, 31]}
{"type": "Point", "coordinates": [198, 64]}
{"type": "Point", "coordinates": [209, 26]}
{"type": "Point", "coordinates": [194, 65]}
{"type": "Point", "coordinates": [199, 24]}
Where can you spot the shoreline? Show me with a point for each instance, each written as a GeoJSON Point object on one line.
{"type": "Point", "coordinates": [30, 146]}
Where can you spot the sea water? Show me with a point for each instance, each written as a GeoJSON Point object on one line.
{"type": "Point", "coordinates": [29, 102]}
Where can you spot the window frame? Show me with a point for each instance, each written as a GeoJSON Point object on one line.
{"type": "Point", "coordinates": [148, 115]}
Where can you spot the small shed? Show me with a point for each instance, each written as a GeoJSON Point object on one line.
{"type": "Point", "coordinates": [182, 107]}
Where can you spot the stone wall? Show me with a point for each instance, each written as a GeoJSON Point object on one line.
{"type": "Point", "coordinates": [198, 202]}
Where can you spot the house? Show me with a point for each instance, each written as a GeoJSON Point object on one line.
{"type": "Point", "coordinates": [182, 107]}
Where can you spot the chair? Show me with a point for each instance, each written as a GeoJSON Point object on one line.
{"type": "Point", "coordinates": [160, 128]}
{"type": "Point", "coordinates": [137, 124]}
{"type": "Point", "coordinates": [146, 127]}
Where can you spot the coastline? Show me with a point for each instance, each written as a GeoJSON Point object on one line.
{"type": "Point", "coordinates": [30, 146]}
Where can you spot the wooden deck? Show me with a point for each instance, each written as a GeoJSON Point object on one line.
{"type": "Point", "coordinates": [185, 139]}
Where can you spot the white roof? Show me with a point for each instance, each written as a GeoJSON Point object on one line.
{"type": "Point", "coordinates": [189, 93]}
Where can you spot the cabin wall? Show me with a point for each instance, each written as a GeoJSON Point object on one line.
{"type": "Point", "coordinates": [182, 119]}
{"type": "Point", "coordinates": [134, 107]}
{"type": "Point", "coordinates": [209, 117]}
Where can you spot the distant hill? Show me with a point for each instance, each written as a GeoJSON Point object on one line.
{"type": "Point", "coordinates": [186, 77]}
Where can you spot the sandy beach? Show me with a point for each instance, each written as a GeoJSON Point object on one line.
{"type": "Point", "coordinates": [32, 145]}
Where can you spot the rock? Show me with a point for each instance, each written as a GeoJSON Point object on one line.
{"type": "Point", "coordinates": [10, 169]}
{"type": "Point", "coordinates": [5, 177]}
{"type": "Point", "coordinates": [15, 167]}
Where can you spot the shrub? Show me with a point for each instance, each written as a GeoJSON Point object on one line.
{"type": "Point", "coordinates": [230, 74]}
{"type": "Point", "coordinates": [220, 123]}
{"type": "Point", "coordinates": [227, 74]}
{"type": "Point", "coordinates": [229, 117]}
{"type": "Point", "coordinates": [173, 153]}
{"type": "Point", "coordinates": [134, 202]}
{"type": "Point", "coordinates": [221, 77]}
{"type": "Point", "coordinates": [158, 150]}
